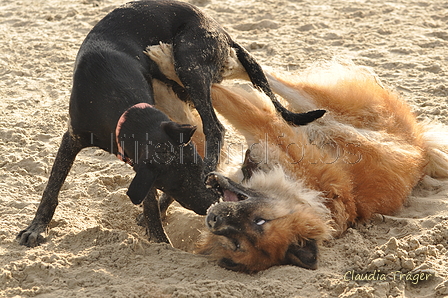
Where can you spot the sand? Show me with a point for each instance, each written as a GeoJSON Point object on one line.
{"type": "Point", "coordinates": [94, 247]}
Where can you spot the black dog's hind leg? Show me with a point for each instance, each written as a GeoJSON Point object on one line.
{"type": "Point", "coordinates": [69, 148]}
{"type": "Point", "coordinates": [259, 80]}
{"type": "Point", "coordinates": [151, 217]}
{"type": "Point", "coordinates": [212, 127]}
{"type": "Point", "coordinates": [196, 67]}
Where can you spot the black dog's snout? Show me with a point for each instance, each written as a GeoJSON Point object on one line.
{"type": "Point", "coordinates": [211, 180]}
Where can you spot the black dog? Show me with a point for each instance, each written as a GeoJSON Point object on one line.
{"type": "Point", "coordinates": [111, 107]}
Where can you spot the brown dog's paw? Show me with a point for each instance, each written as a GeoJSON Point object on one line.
{"type": "Point", "coordinates": [162, 55]}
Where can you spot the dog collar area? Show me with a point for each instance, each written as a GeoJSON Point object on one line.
{"type": "Point", "coordinates": [121, 155]}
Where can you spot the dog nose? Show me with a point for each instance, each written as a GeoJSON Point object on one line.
{"type": "Point", "coordinates": [213, 221]}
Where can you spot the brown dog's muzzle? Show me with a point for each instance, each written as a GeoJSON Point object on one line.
{"type": "Point", "coordinates": [223, 217]}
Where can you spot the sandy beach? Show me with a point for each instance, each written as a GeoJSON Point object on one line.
{"type": "Point", "coordinates": [95, 248]}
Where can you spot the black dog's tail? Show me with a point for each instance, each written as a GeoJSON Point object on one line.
{"type": "Point", "coordinates": [260, 82]}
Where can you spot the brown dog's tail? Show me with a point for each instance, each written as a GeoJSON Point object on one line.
{"type": "Point", "coordinates": [435, 137]}
{"type": "Point", "coordinates": [259, 80]}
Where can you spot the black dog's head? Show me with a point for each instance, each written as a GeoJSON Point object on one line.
{"type": "Point", "coordinates": [252, 230]}
{"type": "Point", "coordinates": [165, 159]}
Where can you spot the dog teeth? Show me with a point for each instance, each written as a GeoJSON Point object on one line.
{"type": "Point", "coordinates": [214, 204]}
{"type": "Point", "coordinates": [208, 186]}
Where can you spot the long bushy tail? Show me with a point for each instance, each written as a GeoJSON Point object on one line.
{"type": "Point", "coordinates": [435, 136]}
{"type": "Point", "coordinates": [259, 80]}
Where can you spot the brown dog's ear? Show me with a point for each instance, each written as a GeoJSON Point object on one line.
{"type": "Point", "coordinates": [141, 184]}
{"type": "Point", "coordinates": [181, 133]}
{"type": "Point", "coordinates": [249, 166]}
{"type": "Point", "coordinates": [303, 256]}
{"type": "Point", "coordinates": [231, 265]}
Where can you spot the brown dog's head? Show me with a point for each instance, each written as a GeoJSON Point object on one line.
{"type": "Point", "coordinates": [277, 224]}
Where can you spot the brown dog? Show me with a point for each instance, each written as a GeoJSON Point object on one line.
{"type": "Point", "coordinates": [304, 184]}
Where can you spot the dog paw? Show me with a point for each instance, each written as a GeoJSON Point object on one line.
{"type": "Point", "coordinates": [167, 49]}
{"type": "Point", "coordinates": [31, 237]}
{"type": "Point", "coordinates": [162, 55]}
{"type": "Point", "coordinates": [233, 69]}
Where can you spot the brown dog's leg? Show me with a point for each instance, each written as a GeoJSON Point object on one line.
{"type": "Point", "coordinates": [70, 147]}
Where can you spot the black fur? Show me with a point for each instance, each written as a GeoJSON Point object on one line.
{"type": "Point", "coordinates": [113, 74]}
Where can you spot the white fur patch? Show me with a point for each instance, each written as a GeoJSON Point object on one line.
{"type": "Point", "coordinates": [233, 69]}
{"type": "Point", "coordinates": [436, 140]}
{"type": "Point", "coordinates": [300, 102]}
{"type": "Point", "coordinates": [277, 185]}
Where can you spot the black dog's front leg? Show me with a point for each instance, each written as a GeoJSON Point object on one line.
{"type": "Point", "coordinates": [164, 202]}
{"type": "Point", "coordinates": [151, 214]}
{"type": "Point", "coordinates": [32, 235]}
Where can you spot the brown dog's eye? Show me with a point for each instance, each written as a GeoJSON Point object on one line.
{"type": "Point", "coordinates": [237, 244]}
{"type": "Point", "coordinates": [260, 221]}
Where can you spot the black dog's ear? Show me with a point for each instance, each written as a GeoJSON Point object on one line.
{"type": "Point", "coordinates": [141, 184]}
{"type": "Point", "coordinates": [303, 256]}
{"type": "Point", "coordinates": [181, 133]}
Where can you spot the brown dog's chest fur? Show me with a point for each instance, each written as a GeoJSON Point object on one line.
{"type": "Point", "coordinates": [369, 168]}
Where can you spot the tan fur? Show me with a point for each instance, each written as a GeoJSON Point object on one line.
{"type": "Point", "coordinates": [294, 153]}
{"type": "Point", "coordinates": [365, 156]}
{"type": "Point", "coordinates": [382, 133]}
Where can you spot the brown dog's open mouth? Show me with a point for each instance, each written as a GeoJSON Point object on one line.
{"type": "Point", "coordinates": [228, 190]}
